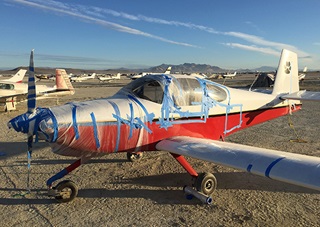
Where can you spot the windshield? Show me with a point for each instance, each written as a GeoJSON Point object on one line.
{"type": "Point", "coordinates": [189, 92]}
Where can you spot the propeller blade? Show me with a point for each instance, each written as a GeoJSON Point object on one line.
{"type": "Point", "coordinates": [31, 109]}
{"type": "Point", "coordinates": [31, 86]}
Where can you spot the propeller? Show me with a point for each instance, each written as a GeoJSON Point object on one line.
{"type": "Point", "coordinates": [31, 109]}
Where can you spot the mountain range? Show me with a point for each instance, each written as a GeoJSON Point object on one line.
{"type": "Point", "coordinates": [182, 68]}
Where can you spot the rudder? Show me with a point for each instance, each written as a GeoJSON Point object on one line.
{"type": "Point", "coordinates": [286, 80]}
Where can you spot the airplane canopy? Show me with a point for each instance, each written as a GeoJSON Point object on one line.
{"type": "Point", "coordinates": [183, 89]}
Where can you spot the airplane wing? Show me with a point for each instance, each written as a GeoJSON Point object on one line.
{"type": "Point", "coordinates": [303, 95]}
{"type": "Point", "coordinates": [292, 168]}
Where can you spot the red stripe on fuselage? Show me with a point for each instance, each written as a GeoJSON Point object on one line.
{"type": "Point", "coordinates": [214, 129]}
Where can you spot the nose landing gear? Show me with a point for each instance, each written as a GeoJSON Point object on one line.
{"type": "Point", "coordinates": [134, 156]}
{"type": "Point", "coordinates": [64, 192]}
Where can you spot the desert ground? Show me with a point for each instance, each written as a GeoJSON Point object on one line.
{"type": "Point", "coordinates": [116, 192]}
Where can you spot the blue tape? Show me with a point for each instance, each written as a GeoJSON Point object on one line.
{"type": "Point", "coordinates": [116, 109]}
{"type": "Point", "coordinates": [268, 170]}
{"type": "Point", "coordinates": [58, 176]}
{"type": "Point", "coordinates": [74, 121]}
{"type": "Point", "coordinates": [149, 116]}
{"type": "Point", "coordinates": [95, 130]}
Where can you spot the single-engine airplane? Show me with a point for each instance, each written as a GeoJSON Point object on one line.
{"type": "Point", "coordinates": [184, 115]}
{"type": "Point", "coordinates": [229, 76]}
{"type": "Point", "coordinates": [109, 78]}
{"type": "Point", "coordinates": [82, 78]}
{"type": "Point", "coordinates": [11, 92]}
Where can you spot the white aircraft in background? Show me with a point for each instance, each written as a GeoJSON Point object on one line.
{"type": "Point", "coordinates": [230, 75]}
{"type": "Point", "coordinates": [303, 74]}
{"type": "Point", "coordinates": [82, 78]}
{"type": "Point", "coordinates": [109, 78]}
{"type": "Point", "coordinates": [16, 78]}
{"type": "Point", "coordinates": [168, 71]}
{"type": "Point", "coordinates": [13, 92]}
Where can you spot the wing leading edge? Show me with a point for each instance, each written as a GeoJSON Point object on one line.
{"type": "Point", "coordinates": [292, 168]}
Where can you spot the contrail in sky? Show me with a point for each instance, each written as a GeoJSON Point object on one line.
{"type": "Point", "coordinates": [255, 40]}
{"type": "Point", "coordinates": [96, 15]}
{"type": "Point", "coordinates": [64, 9]}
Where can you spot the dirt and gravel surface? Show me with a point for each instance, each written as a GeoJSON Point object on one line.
{"type": "Point", "coordinates": [115, 192]}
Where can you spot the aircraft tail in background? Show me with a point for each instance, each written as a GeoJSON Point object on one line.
{"type": "Point", "coordinates": [62, 81]}
{"type": "Point", "coordinates": [18, 77]}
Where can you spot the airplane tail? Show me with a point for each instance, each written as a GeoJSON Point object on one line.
{"type": "Point", "coordinates": [93, 75]}
{"type": "Point", "coordinates": [18, 77]}
{"type": "Point", "coordinates": [168, 71]}
{"type": "Point", "coordinates": [305, 69]}
{"type": "Point", "coordinates": [286, 79]}
{"type": "Point", "coordinates": [118, 76]}
{"type": "Point", "coordinates": [62, 81]}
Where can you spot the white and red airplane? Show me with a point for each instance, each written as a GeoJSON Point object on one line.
{"type": "Point", "coordinates": [13, 91]}
{"type": "Point", "coordinates": [184, 115]}
{"type": "Point", "coordinates": [16, 78]}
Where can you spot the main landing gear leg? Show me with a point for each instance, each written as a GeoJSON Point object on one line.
{"type": "Point", "coordinates": [205, 183]}
{"type": "Point", "coordinates": [66, 190]}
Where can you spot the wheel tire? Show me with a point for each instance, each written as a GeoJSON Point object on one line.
{"type": "Point", "coordinates": [134, 156]}
{"type": "Point", "coordinates": [206, 183]}
{"type": "Point", "coordinates": [67, 191]}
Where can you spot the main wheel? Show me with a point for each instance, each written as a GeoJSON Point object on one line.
{"type": "Point", "coordinates": [66, 191]}
{"type": "Point", "coordinates": [134, 156]}
{"type": "Point", "coordinates": [206, 183]}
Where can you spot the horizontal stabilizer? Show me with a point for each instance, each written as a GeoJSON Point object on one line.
{"type": "Point", "coordinates": [303, 95]}
{"type": "Point", "coordinates": [292, 168]}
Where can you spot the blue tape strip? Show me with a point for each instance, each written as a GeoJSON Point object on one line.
{"type": "Point", "coordinates": [117, 116]}
{"type": "Point", "coordinates": [74, 121]}
{"type": "Point", "coordinates": [149, 116]}
{"type": "Point", "coordinates": [268, 170]}
{"type": "Point", "coordinates": [58, 176]}
{"type": "Point", "coordinates": [95, 130]}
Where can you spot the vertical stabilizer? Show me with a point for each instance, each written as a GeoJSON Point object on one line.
{"type": "Point", "coordinates": [62, 81]}
{"type": "Point", "coordinates": [168, 71]}
{"type": "Point", "coordinates": [18, 77]}
{"type": "Point", "coordinates": [286, 80]}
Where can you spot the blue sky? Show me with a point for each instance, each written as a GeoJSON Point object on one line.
{"type": "Point", "coordinates": [101, 34]}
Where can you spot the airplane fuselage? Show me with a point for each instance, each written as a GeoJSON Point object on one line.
{"type": "Point", "coordinates": [128, 123]}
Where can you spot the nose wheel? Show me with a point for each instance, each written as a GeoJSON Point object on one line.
{"type": "Point", "coordinates": [65, 191]}
{"type": "Point", "coordinates": [134, 156]}
{"type": "Point", "coordinates": [206, 183]}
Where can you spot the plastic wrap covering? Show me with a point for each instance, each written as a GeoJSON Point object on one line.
{"type": "Point", "coordinates": [142, 113]}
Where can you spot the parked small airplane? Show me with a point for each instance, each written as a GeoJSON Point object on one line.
{"type": "Point", "coordinates": [181, 114]}
{"type": "Point", "coordinates": [142, 74]}
{"type": "Point", "coordinates": [13, 92]}
{"type": "Point", "coordinates": [110, 78]}
{"type": "Point", "coordinates": [302, 75]}
{"type": "Point", "coordinates": [229, 76]}
{"type": "Point", "coordinates": [16, 78]}
{"type": "Point", "coordinates": [82, 78]}
{"type": "Point", "coordinates": [45, 77]}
